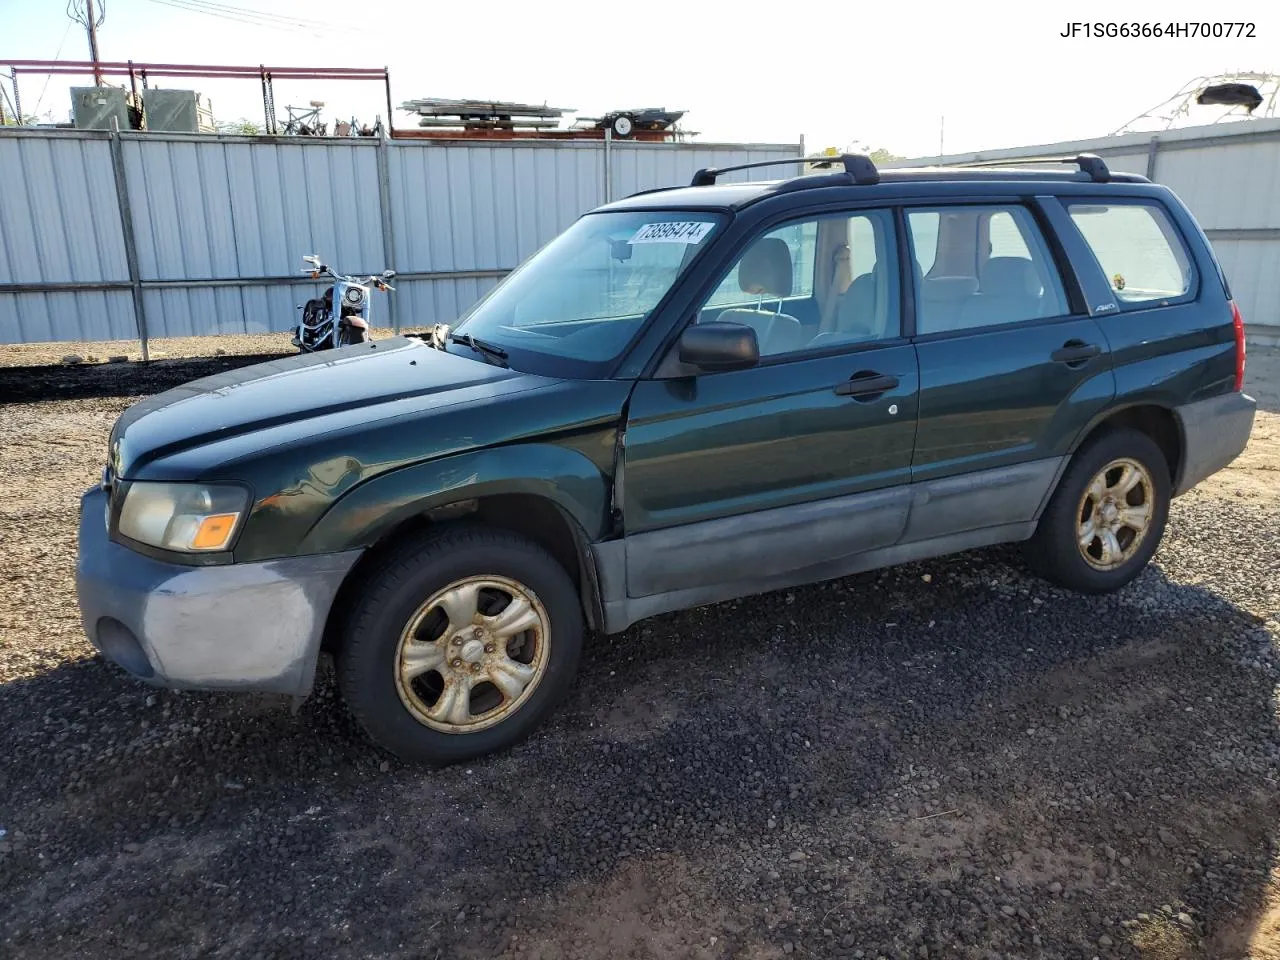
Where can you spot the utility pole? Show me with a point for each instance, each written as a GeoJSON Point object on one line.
{"type": "Point", "coordinates": [93, 43]}
{"type": "Point", "coordinates": [91, 19]}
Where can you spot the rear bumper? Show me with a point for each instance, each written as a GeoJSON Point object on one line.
{"type": "Point", "coordinates": [1214, 432]}
{"type": "Point", "coordinates": [242, 626]}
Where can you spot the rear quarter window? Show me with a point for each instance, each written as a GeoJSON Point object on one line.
{"type": "Point", "coordinates": [1138, 248]}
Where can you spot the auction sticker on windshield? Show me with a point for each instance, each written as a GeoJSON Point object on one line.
{"type": "Point", "coordinates": [680, 231]}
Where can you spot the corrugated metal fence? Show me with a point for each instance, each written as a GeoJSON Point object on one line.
{"type": "Point", "coordinates": [1227, 174]}
{"type": "Point", "coordinates": [108, 236]}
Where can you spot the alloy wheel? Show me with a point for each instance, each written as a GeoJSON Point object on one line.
{"type": "Point", "coordinates": [1115, 513]}
{"type": "Point", "coordinates": [472, 654]}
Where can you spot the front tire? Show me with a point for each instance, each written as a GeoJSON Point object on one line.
{"type": "Point", "coordinates": [349, 335]}
{"type": "Point", "coordinates": [1106, 518]}
{"type": "Point", "coordinates": [459, 645]}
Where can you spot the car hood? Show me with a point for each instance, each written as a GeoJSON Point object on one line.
{"type": "Point", "coordinates": [303, 395]}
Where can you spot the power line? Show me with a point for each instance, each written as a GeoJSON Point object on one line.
{"type": "Point", "coordinates": [253, 17]}
{"type": "Point", "coordinates": [48, 77]}
{"type": "Point", "coordinates": [222, 16]}
{"type": "Point", "coordinates": [228, 8]}
{"type": "Point", "coordinates": [82, 12]}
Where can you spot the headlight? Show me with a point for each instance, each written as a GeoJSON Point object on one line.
{"type": "Point", "coordinates": [188, 517]}
{"type": "Point", "coordinates": [354, 296]}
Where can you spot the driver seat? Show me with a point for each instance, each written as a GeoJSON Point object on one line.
{"type": "Point", "coordinates": [765, 271]}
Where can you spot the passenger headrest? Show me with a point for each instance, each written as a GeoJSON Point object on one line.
{"type": "Point", "coordinates": [1010, 277]}
{"type": "Point", "coordinates": [862, 311]}
{"type": "Point", "coordinates": [766, 268]}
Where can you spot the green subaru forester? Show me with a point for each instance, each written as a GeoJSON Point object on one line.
{"type": "Point", "coordinates": [690, 395]}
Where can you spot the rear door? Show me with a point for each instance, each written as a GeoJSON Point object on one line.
{"type": "Point", "coordinates": [741, 475]}
{"type": "Point", "coordinates": [1171, 330]}
{"type": "Point", "coordinates": [1012, 366]}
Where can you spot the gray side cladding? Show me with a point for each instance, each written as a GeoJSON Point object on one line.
{"type": "Point", "coordinates": [706, 562]}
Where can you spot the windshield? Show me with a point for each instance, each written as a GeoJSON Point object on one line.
{"type": "Point", "coordinates": [577, 303]}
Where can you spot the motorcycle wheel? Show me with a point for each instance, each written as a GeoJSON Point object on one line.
{"type": "Point", "coordinates": [348, 336]}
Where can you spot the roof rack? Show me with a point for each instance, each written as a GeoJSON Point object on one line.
{"type": "Point", "coordinates": [858, 166]}
{"type": "Point", "coordinates": [1089, 163]}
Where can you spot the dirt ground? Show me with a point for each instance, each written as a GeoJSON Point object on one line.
{"type": "Point", "coordinates": [945, 759]}
{"type": "Point", "coordinates": [1256, 475]}
{"type": "Point", "coordinates": [86, 353]}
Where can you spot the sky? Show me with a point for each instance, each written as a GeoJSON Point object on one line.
{"type": "Point", "coordinates": [907, 77]}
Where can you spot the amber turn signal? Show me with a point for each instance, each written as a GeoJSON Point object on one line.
{"type": "Point", "coordinates": [214, 531]}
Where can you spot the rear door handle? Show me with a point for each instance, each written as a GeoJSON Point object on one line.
{"type": "Point", "coordinates": [866, 385]}
{"type": "Point", "coordinates": [1075, 353]}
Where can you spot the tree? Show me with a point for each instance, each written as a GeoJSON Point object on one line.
{"type": "Point", "coordinates": [878, 154]}
{"type": "Point", "coordinates": [241, 127]}
{"type": "Point", "coordinates": [881, 155]}
{"type": "Point", "coordinates": [28, 119]}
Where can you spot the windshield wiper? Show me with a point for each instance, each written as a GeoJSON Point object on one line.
{"type": "Point", "coordinates": [488, 350]}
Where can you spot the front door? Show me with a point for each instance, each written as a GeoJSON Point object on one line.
{"type": "Point", "coordinates": [740, 476]}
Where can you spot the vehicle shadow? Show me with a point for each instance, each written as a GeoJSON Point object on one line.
{"type": "Point", "coordinates": [974, 732]}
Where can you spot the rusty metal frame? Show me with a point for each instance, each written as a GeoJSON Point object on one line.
{"type": "Point", "coordinates": [262, 73]}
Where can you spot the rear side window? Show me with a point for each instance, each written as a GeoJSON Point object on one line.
{"type": "Point", "coordinates": [1138, 248]}
{"type": "Point", "coordinates": [1006, 238]}
{"type": "Point", "coordinates": [924, 238]}
{"type": "Point", "coordinates": [981, 266]}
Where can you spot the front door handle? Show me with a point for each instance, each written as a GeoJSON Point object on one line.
{"type": "Point", "coordinates": [1075, 353]}
{"type": "Point", "coordinates": [866, 386]}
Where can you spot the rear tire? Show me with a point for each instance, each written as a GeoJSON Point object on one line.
{"type": "Point", "coordinates": [1107, 516]}
{"type": "Point", "coordinates": [428, 665]}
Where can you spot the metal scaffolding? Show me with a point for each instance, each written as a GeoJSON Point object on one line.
{"type": "Point", "coordinates": [141, 72]}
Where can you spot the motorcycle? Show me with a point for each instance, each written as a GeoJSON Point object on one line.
{"type": "Point", "coordinates": [347, 299]}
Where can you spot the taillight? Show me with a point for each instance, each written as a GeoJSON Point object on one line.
{"type": "Point", "coordinates": [1237, 321]}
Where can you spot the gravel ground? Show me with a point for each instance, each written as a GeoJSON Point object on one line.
{"type": "Point", "coordinates": [944, 759]}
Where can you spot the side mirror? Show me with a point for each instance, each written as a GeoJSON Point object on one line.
{"type": "Point", "coordinates": [388, 274]}
{"type": "Point", "coordinates": [313, 260]}
{"type": "Point", "coordinates": [719, 346]}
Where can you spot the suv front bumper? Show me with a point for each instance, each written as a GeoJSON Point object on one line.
{"type": "Point", "coordinates": [240, 626]}
{"type": "Point", "coordinates": [1214, 432]}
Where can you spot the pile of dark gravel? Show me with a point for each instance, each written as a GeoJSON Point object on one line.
{"type": "Point", "coordinates": [83, 381]}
